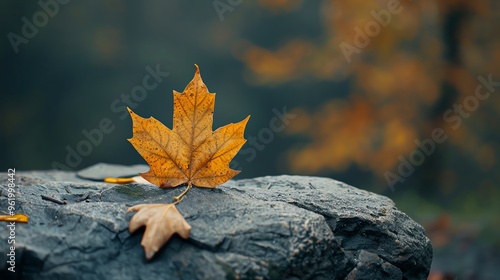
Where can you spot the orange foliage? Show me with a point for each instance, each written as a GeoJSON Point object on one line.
{"type": "Point", "coordinates": [396, 81]}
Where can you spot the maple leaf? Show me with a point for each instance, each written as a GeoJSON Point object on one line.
{"type": "Point", "coordinates": [161, 221]}
{"type": "Point", "coordinates": [191, 152]}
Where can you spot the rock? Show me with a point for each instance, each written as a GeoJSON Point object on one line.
{"type": "Point", "coordinates": [98, 172]}
{"type": "Point", "coordinates": [279, 227]}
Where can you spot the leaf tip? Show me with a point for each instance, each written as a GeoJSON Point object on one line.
{"type": "Point", "coordinates": [134, 208]}
{"type": "Point", "coordinates": [197, 71]}
{"type": "Point", "coordinates": [247, 119]}
{"type": "Point", "coordinates": [149, 255]}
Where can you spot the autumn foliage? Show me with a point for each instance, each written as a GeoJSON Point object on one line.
{"type": "Point", "coordinates": [424, 57]}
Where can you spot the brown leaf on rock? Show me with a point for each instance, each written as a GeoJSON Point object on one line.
{"type": "Point", "coordinates": [161, 222]}
{"type": "Point", "coordinates": [191, 152]}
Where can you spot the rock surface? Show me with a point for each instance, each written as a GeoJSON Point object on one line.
{"type": "Point", "coordinates": [280, 227]}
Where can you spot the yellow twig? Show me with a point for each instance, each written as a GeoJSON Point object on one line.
{"type": "Point", "coordinates": [119, 180]}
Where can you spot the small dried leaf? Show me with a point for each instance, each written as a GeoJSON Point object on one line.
{"type": "Point", "coordinates": [19, 218]}
{"type": "Point", "coordinates": [161, 222]}
{"type": "Point", "coordinates": [135, 179]}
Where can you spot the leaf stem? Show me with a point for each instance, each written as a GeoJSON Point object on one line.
{"type": "Point", "coordinates": [180, 197]}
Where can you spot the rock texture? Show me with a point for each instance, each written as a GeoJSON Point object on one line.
{"type": "Point", "coordinates": [280, 227]}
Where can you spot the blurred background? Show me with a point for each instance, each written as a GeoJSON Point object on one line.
{"type": "Point", "coordinates": [395, 97]}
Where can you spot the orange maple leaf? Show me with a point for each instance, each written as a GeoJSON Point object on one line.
{"type": "Point", "coordinates": [191, 152]}
{"type": "Point", "coordinates": [161, 221]}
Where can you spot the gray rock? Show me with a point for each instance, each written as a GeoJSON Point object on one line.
{"type": "Point", "coordinates": [280, 227]}
{"type": "Point", "coordinates": [98, 172]}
